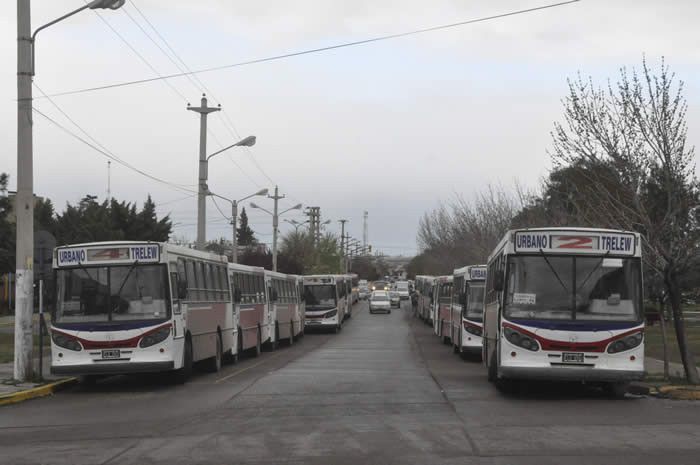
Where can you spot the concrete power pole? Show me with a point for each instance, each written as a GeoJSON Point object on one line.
{"type": "Point", "coordinates": [275, 227]}
{"type": "Point", "coordinates": [203, 110]}
{"type": "Point", "coordinates": [109, 182]}
{"type": "Point", "coordinates": [24, 200]}
{"type": "Point", "coordinates": [343, 256]}
{"type": "Point", "coordinates": [364, 229]}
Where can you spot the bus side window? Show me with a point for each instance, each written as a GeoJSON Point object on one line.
{"type": "Point", "coordinates": [192, 293]}
{"type": "Point", "coordinates": [225, 287]}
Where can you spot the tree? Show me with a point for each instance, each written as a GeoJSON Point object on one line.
{"type": "Point", "coordinates": [7, 230]}
{"type": "Point", "coordinates": [244, 234]}
{"type": "Point", "coordinates": [628, 142]}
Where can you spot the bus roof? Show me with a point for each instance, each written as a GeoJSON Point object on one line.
{"type": "Point", "coordinates": [571, 241]}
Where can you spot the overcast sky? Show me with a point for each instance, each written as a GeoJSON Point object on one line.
{"type": "Point", "coordinates": [391, 127]}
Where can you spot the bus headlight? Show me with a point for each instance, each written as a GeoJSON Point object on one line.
{"type": "Point", "coordinates": [65, 341]}
{"type": "Point", "coordinates": [521, 340]}
{"type": "Point", "coordinates": [626, 343]}
{"type": "Point", "coordinates": [331, 314]}
{"type": "Point", "coordinates": [154, 337]}
{"type": "Point", "coordinates": [475, 330]}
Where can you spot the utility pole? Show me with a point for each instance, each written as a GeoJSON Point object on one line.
{"type": "Point", "coordinates": [234, 239]}
{"type": "Point", "coordinates": [343, 256]}
{"type": "Point", "coordinates": [24, 200]}
{"type": "Point", "coordinates": [364, 229]}
{"type": "Point", "coordinates": [275, 227]}
{"type": "Point", "coordinates": [109, 182]}
{"type": "Point", "coordinates": [314, 214]}
{"type": "Point", "coordinates": [203, 110]}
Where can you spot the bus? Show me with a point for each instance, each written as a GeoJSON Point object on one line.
{"type": "Point", "coordinates": [252, 309]}
{"type": "Point", "coordinates": [355, 279]}
{"type": "Point", "coordinates": [467, 309]}
{"type": "Point", "coordinates": [424, 287]}
{"type": "Point", "coordinates": [326, 298]}
{"type": "Point", "coordinates": [565, 304]}
{"type": "Point", "coordinates": [442, 307]}
{"type": "Point", "coordinates": [130, 307]}
{"type": "Point", "coordinates": [284, 290]}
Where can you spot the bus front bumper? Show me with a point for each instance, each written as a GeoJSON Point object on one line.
{"type": "Point", "coordinates": [570, 373]}
{"type": "Point", "coordinates": [107, 368]}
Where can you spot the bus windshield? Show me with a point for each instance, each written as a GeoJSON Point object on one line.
{"type": "Point", "coordinates": [320, 296]}
{"type": "Point", "coordinates": [475, 302]}
{"type": "Point", "coordinates": [573, 288]}
{"type": "Point", "coordinates": [111, 293]}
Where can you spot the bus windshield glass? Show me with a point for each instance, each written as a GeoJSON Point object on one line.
{"type": "Point", "coordinates": [475, 302]}
{"type": "Point", "coordinates": [320, 296]}
{"type": "Point", "coordinates": [573, 288]}
{"type": "Point", "coordinates": [111, 293]}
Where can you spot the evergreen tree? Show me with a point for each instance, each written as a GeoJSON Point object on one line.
{"type": "Point", "coordinates": [7, 230]}
{"type": "Point", "coordinates": [244, 233]}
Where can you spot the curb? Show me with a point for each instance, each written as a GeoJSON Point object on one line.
{"type": "Point", "coordinates": [41, 391]}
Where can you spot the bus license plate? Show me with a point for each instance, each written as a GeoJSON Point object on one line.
{"type": "Point", "coordinates": [568, 357]}
{"type": "Point", "coordinates": [111, 353]}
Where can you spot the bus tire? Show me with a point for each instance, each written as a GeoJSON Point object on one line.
{"type": "Point", "coordinates": [213, 364]}
{"type": "Point", "coordinates": [389, 312]}
{"type": "Point", "coordinates": [491, 362]}
{"type": "Point", "coordinates": [616, 390]}
{"type": "Point", "coordinates": [184, 373]}
{"type": "Point", "coordinates": [258, 343]}
{"type": "Point", "coordinates": [291, 332]}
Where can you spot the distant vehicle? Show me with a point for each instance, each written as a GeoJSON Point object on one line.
{"type": "Point", "coordinates": [379, 302]}
{"type": "Point", "coordinates": [402, 288]}
{"type": "Point", "coordinates": [424, 289]}
{"type": "Point", "coordinates": [326, 298]}
{"type": "Point", "coordinates": [364, 293]}
{"type": "Point", "coordinates": [565, 304]}
{"type": "Point", "coordinates": [380, 286]}
{"type": "Point", "coordinates": [468, 310]}
{"type": "Point", "coordinates": [395, 299]}
{"type": "Point", "coordinates": [442, 307]}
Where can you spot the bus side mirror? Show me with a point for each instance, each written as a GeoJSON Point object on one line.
{"type": "Point", "coordinates": [463, 299]}
{"type": "Point", "coordinates": [237, 295]}
{"type": "Point", "coordinates": [430, 294]}
{"type": "Point", "coordinates": [181, 289]}
{"type": "Point", "coordinates": [274, 295]}
{"type": "Point", "coordinates": [498, 282]}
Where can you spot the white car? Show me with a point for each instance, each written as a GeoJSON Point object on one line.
{"type": "Point", "coordinates": [395, 298]}
{"type": "Point", "coordinates": [379, 302]}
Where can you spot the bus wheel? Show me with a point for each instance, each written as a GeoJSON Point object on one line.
{"type": "Point", "coordinates": [214, 363]}
{"type": "Point", "coordinates": [291, 333]}
{"type": "Point", "coordinates": [184, 373]}
{"type": "Point", "coordinates": [616, 390]}
{"type": "Point", "coordinates": [258, 343]}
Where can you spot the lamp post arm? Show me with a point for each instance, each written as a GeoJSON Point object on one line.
{"type": "Point", "coordinates": [57, 20]}
{"type": "Point", "coordinates": [265, 210]}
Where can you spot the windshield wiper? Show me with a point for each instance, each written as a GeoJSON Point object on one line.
{"type": "Point", "coordinates": [553, 270]}
{"type": "Point", "coordinates": [121, 287]}
{"type": "Point", "coordinates": [593, 270]}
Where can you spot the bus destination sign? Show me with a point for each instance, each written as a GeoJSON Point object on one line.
{"type": "Point", "coordinates": [477, 273]}
{"type": "Point", "coordinates": [144, 253]}
{"type": "Point", "coordinates": [574, 242]}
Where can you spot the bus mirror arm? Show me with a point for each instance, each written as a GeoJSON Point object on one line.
{"type": "Point", "coordinates": [498, 282]}
{"type": "Point", "coordinates": [237, 295]}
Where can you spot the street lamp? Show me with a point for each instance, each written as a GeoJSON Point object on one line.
{"type": "Point", "coordinates": [234, 218]}
{"type": "Point", "coordinates": [204, 189]}
{"type": "Point", "coordinates": [275, 222]}
{"type": "Point", "coordinates": [24, 200]}
{"type": "Point", "coordinates": [296, 224]}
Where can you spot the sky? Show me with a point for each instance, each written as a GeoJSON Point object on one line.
{"type": "Point", "coordinates": [392, 127]}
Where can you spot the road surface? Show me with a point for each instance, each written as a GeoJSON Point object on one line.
{"type": "Point", "coordinates": [383, 391]}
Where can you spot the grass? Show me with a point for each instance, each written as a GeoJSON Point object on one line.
{"type": "Point", "coordinates": [654, 345]}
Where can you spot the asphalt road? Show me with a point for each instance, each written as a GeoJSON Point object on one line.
{"type": "Point", "coordinates": [383, 391]}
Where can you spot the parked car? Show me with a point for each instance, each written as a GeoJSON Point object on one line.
{"type": "Point", "coordinates": [379, 301]}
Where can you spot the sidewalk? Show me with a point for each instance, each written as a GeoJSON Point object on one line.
{"type": "Point", "coordinates": [655, 367]}
{"type": "Point", "coordinates": [11, 392]}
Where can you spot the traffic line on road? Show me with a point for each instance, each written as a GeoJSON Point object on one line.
{"type": "Point", "coordinates": [41, 391]}
{"type": "Point", "coordinates": [248, 368]}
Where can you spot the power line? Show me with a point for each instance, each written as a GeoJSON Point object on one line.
{"type": "Point", "coordinates": [110, 156]}
{"type": "Point", "coordinates": [316, 50]}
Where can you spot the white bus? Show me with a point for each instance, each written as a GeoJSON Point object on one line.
{"type": "Point", "coordinates": [326, 298]}
{"type": "Point", "coordinates": [565, 304]}
{"type": "Point", "coordinates": [424, 288]}
{"type": "Point", "coordinates": [253, 312]}
{"type": "Point", "coordinates": [442, 307]}
{"type": "Point", "coordinates": [286, 308]}
{"type": "Point", "coordinates": [467, 309]}
{"type": "Point", "coordinates": [130, 307]}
